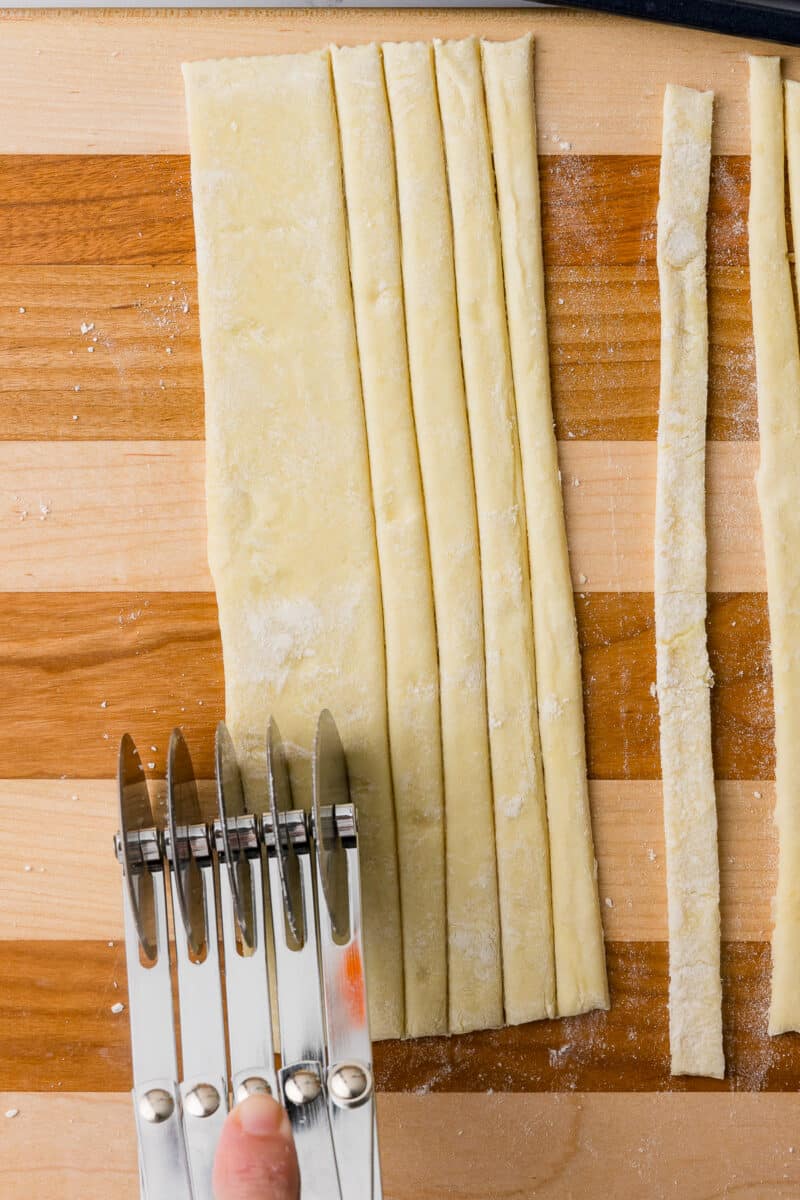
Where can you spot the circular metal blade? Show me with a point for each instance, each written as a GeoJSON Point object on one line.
{"type": "Point", "coordinates": [331, 788]}
{"type": "Point", "coordinates": [231, 804]}
{"type": "Point", "coordinates": [183, 810]}
{"type": "Point", "coordinates": [280, 801]}
{"type": "Point", "coordinates": [135, 814]}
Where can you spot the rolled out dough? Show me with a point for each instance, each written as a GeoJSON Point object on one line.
{"type": "Point", "coordinates": [412, 670]}
{"type": "Point", "coordinates": [579, 948]}
{"type": "Point", "coordinates": [683, 675]}
{"type": "Point", "coordinates": [291, 531]}
{"type": "Point", "coordinates": [517, 776]}
{"type": "Point", "coordinates": [473, 933]}
{"type": "Point", "coordinates": [778, 380]}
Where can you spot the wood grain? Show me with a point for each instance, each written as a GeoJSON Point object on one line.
{"type": "Point", "coordinates": [59, 880]}
{"type": "Point", "coordinates": [597, 210]}
{"type": "Point", "coordinates": [108, 82]}
{"type": "Point", "coordinates": [155, 658]}
{"type": "Point", "coordinates": [96, 229]}
{"type": "Point", "coordinates": [589, 1147]}
{"type": "Point", "coordinates": [68, 1147]}
{"type": "Point", "coordinates": [609, 502]}
{"type": "Point", "coordinates": [105, 516]}
{"type": "Point", "coordinates": [629, 843]}
{"type": "Point", "coordinates": [58, 1031]}
{"type": "Point", "coordinates": [619, 669]}
{"type": "Point", "coordinates": [465, 1147]}
{"type": "Point", "coordinates": [135, 213]}
{"type": "Point", "coordinates": [51, 387]}
{"type": "Point", "coordinates": [104, 209]}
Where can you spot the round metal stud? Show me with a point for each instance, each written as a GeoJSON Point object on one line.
{"type": "Point", "coordinates": [349, 1084]}
{"type": "Point", "coordinates": [202, 1101]}
{"type": "Point", "coordinates": [253, 1086]}
{"type": "Point", "coordinates": [156, 1106]}
{"type": "Point", "coordinates": [302, 1087]}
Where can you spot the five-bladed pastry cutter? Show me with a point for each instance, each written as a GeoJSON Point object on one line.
{"type": "Point", "coordinates": [303, 868]}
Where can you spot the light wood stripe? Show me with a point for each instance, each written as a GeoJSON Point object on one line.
{"type": "Point", "coordinates": [58, 1031]}
{"type": "Point", "coordinates": [107, 84]}
{"type": "Point", "coordinates": [77, 1146]}
{"type": "Point", "coordinates": [155, 658]}
{"type": "Point", "coordinates": [81, 1147]}
{"type": "Point", "coordinates": [629, 843]}
{"type": "Point", "coordinates": [116, 516]}
{"type": "Point", "coordinates": [59, 878]}
{"type": "Point", "coordinates": [122, 516]}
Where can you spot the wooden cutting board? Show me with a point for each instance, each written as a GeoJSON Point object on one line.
{"type": "Point", "coordinates": [108, 622]}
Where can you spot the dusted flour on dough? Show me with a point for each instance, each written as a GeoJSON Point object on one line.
{"type": "Point", "coordinates": [291, 537]}
{"type": "Point", "coordinates": [683, 675]}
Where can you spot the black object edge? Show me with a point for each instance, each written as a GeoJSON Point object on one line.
{"type": "Point", "coordinates": [763, 19]}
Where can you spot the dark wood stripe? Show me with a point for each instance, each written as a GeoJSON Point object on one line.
{"type": "Point", "coordinates": [623, 1050]}
{"type": "Point", "coordinates": [81, 238]}
{"type": "Point", "coordinates": [58, 1032]}
{"type": "Point", "coordinates": [143, 378]}
{"type": "Point", "coordinates": [93, 209]}
{"type": "Point", "coordinates": [59, 209]}
{"type": "Point", "coordinates": [617, 632]}
{"type": "Point", "coordinates": [603, 208]}
{"type": "Point", "coordinates": [155, 659]}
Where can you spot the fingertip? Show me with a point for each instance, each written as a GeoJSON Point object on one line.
{"type": "Point", "coordinates": [256, 1158]}
{"type": "Point", "coordinates": [262, 1117]}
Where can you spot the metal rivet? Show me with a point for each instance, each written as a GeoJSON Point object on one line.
{"type": "Point", "coordinates": [254, 1086]}
{"type": "Point", "coordinates": [156, 1106]}
{"type": "Point", "coordinates": [202, 1101]}
{"type": "Point", "coordinates": [349, 1084]}
{"type": "Point", "coordinates": [302, 1087]}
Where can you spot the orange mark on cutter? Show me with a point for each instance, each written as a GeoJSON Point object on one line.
{"type": "Point", "coordinates": [351, 982]}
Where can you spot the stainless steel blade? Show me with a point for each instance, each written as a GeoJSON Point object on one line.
{"type": "Point", "coordinates": [135, 816]}
{"type": "Point", "coordinates": [280, 802]}
{"type": "Point", "coordinates": [331, 788]}
{"type": "Point", "coordinates": [231, 805]}
{"type": "Point", "coordinates": [183, 811]}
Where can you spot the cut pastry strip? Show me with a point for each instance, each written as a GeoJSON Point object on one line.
{"type": "Point", "coordinates": [792, 118]}
{"type": "Point", "coordinates": [473, 941]}
{"type": "Point", "coordinates": [291, 531]}
{"type": "Point", "coordinates": [412, 673]}
{"type": "Point", "coordinates": [682, 671]}
{"type": "Point", "coordinates": [517, 777]}
{"type": "Point", "coordinates": [578, 931]}
{"type": "Point", "coordinates": [778, 481]}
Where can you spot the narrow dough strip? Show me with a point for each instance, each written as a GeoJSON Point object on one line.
{"type": "Point", "coordinates": [412, 671]}
{"type": "Point", "coordinates": [291, 532]}
{"type": "Point", "coordinates": [778, 481]}
{"type": "Point", "coordinates": [473, 930]}
{"type": "Point", "coordinates": [517, 776]}
{"type": "Point", "coordinates": [682, 671]}
{"type": "Point", "coordinates": [791, 92]}
{"type": "Point", "coordinates": [579, 949]}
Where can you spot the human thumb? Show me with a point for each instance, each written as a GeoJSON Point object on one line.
{"type": "Point", "coordinates": [256, 1159]}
